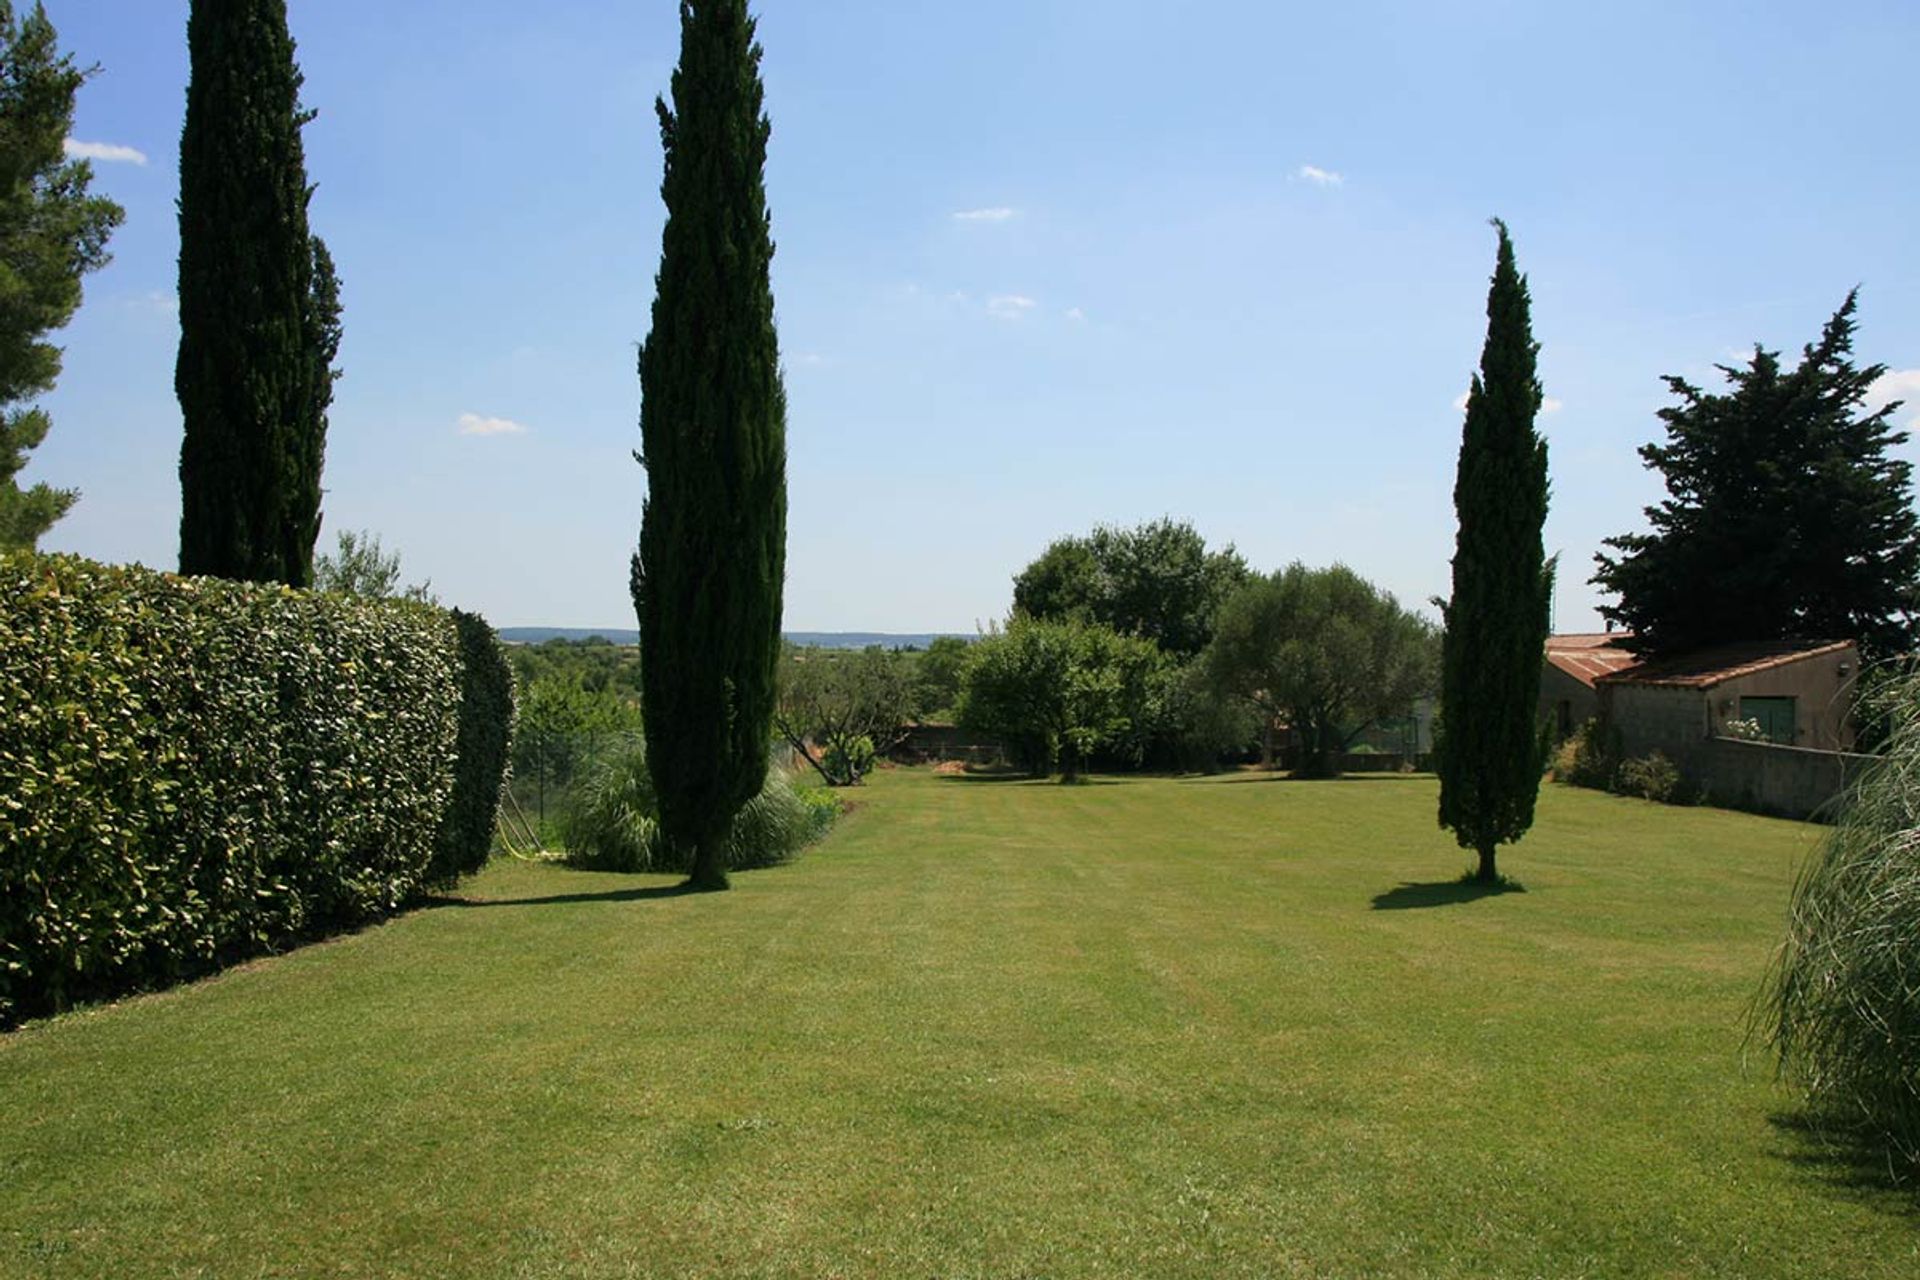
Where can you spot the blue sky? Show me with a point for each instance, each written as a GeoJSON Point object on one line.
{"type": "Point", "coordinates": [1042, 264]}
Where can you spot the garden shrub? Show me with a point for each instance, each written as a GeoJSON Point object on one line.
{"type": "Point", "coordinates": [1651, 777]}
{"type": "Point", "coordinates": [194, 770]}
{"type": "Point", "coordinates": [614, 823]}
{"type": "Point", "coordinates": [1589, 758]}
{"type": "Point", "coordinates": [1842, 1003]}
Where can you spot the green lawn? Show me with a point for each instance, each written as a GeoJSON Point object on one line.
{"type": "Point", "coordinates": [1145, 1028]}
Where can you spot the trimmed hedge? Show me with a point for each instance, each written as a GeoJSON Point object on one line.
{"type": "Point", "coordinates": [482, 754]}
{"type": "Point", "coordinates": [194, 770]}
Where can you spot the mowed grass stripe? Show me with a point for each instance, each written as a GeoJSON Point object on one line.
{"type": "Point", "coordinates": [1154, 1027]}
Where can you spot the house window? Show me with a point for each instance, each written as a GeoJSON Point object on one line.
{"type": "Point", "coordinates": [1773, 715]}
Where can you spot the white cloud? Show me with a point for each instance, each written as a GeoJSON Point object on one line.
{"type": "Point", "coordinates": [111, 153]}
{"type": "Point", "coordinates": [1010, 306]}
{"type": "Point", "coordinates": [1897, 384]}
{"type": "Point", "coordinates": [1076, 314]}
{"type": "Point", "coordinates": [472, 424]}
{"type": "Point", "coordinates": [153, 302]}
{"type": "Point", "coordinates": [1547, 403]}
{"type": "Point", "coordinates": [1320, 177]}
{"type": "Point", "coordinates": [998, 214]}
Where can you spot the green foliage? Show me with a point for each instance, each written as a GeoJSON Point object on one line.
{"type": "Point", "coordinates": [562, 723]}
{"type": "Point", "coordinates": [52, 233]}
{"type": "Point", "coordinates": [1056, 692]}
{"type": "Point", "coordinates": [1786, 517]}
{"type": "Point", "coordinates": [193, 770]}
{"type": "Point", "coordinates": [595, 663]}
{"type": "Point", "coordinates": [359, 566]}
{"type": "Point", "coordinates": [841, 710]}
{"type": "Point", "coordinates": [1842, 1003]}
{"type": "Point", "coordinates": [938, 673]}
{"type": "Point", "coordinates": [259, 305]}
{"type": "Point", "coordinates": [615, 823]}
{"type": "Point", "coordinates": [1589, 758]}
{"type": "Point", "coordinates": [1650, 777]}
{"type": "Point", "coordinates": [852, 760]}
{"type": "Point", "coordinates": [1199, 723]}
{"type": "Point", "coordinates": [1490, 749]}
{"type": "Point", "coordinates": [1157, 581]}
{"type": "Point", "coordinates": [1324, 650]}
{"type": "Point", "coordinates": [482, 752]}
{"type": "Point", "coordinates": [708, 578]}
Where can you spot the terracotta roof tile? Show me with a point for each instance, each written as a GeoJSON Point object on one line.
{"type": "Point", "coordinates": [1588, 657]}
{"type": "Point", "coordinates": [1710, 667]}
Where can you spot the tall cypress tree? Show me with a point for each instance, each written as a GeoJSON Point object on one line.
{"type": "Point", "coordinates": [1490, 743]}
{"type": "Point", "coordinates": [258, 326]}
{"type": "Point", "coordinates": [708, 579]}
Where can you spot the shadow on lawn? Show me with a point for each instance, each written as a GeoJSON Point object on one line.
{"type": "Point", "coordinates": [1015, 779]}
{"type": "Point", "coordinates": [1280, 775]}
{"type": "Point", "coordinates": [562, 899]}
{"type": "Point", "coordinates": [1446, 893]}
{"type": "Point", "coordinates": [1849, 1161]}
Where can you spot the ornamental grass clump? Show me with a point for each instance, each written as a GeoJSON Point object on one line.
{"type": "Point", "coordinates": [1842, 1003]}
{"type": "Point", "coordinates": [614, 824]}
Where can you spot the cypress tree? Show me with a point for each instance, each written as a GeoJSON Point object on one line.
{"type": "Point", "coordinates": [708, 578]}
{"type": "Point", "coordinates": [258, 324]}
{"type": "Point", "coordinates": [1490, 749]}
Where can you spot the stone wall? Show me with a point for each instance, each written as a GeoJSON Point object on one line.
{"type": "Point", "coordinates": [1791, 782]}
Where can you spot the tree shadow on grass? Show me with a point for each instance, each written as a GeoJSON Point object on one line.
{"type": "Point", "coordinates": [1848, 1160]}
{"type": "Point", "coordinates": [1279, 775]}
{"type": "Point", "coordinates": [648, 894]}
{"type": "Point", "coordinates": [1015, 779]}
{"type": "Point", "coordinates": [1445, 893]}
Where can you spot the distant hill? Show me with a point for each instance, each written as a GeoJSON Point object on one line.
{"type": "Point", "coordinates": [811, 639]}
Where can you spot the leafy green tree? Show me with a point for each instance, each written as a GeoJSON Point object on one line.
{"type": "Point", "coordinates": [1156, 580]}
{"type": "Point", "coordinates": [1491, 749]}
{"type": "Point", "coordinates": [1326, 652]}
{"type": "Point", "coordinates": [707, 581]}
{"type": "Point", "coordinates": [52, 233]}
{"type": "Point", "coordinates": [1056, 692]}
{"type": "Point", "coordinates": [1785, 516]}
{"type": "Point", "coordinates": [841, 711]}
{"type": "Point", "coordinates": [259, 305]}
{"type": "Point", "coordinates": [562, 725]}
{"type": "Point", "coordinates": [597, 666]}
{"type": "Point", "coordinates": [359, 566]}
{"type": "Point", "coordinates": [938, 674]}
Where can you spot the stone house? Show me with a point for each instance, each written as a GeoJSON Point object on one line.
{"type": "Point", "coordinates": [1799, 695]}
{"type": "Point", "coordinates": [1568, 698]}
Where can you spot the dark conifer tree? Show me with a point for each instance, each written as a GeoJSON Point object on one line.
{"type": "Point", "coordinates": [1490, 742]}
{"type": "Point", "coordinates": [1786, 518]}
{"type": "Point", "coordinates": [708, 580]}
{"type": "Point", "coordinates": [53, 231]}
{"type": "Point", "coordinates": [257, 328]}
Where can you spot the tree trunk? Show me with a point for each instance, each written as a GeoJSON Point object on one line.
{"type": "Point", "coordinates": [1070, 765]}
{"type": "Point", "coordinates": [709, 874]}
{"type": "Point", "coordinates": [1486, 874]}
{"type": "Point", "coordinates": [1266, 745]}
